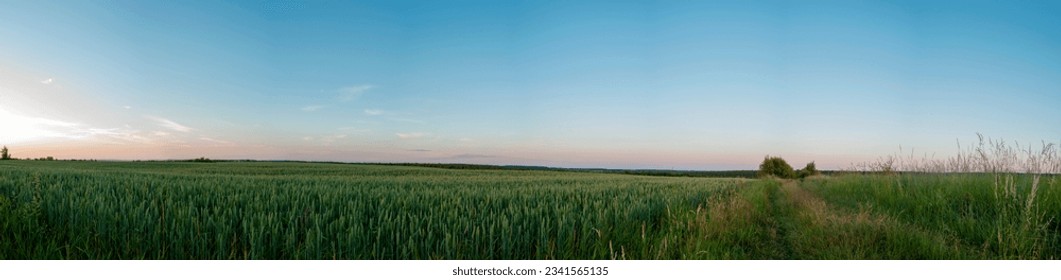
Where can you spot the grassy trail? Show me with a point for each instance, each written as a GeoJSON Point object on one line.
{"type": "Point", "coordinates": [815, 229]}
{"type": "Point", "coordinates": [781, 212]}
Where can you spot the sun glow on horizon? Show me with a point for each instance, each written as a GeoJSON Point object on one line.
{"type": "Point", "coordinates": [20, 129]}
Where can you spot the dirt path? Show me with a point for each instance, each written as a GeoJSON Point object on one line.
{"type": "Point", "coordinates": [820, 231]}
{"type": "Point", "coordinates": [819, 212]}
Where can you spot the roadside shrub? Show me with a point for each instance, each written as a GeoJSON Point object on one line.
{"type": "Point", "coordinates": [776, 166]}
{"type": "Point", "coordinates": [807, 171]}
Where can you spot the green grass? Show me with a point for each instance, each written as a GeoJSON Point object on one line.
{"type": "Point", "coordinates": [969, 211]}
{"type": "Point", "coordinates": [277, 210]}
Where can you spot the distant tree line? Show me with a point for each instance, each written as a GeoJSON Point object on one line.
{"type": "Point", "coordinates": [771, 167]}
{"type": "Point", "coordinates": [644, 172]}
{"type": "Point", "coordinates": [5, 154]}
{"type": "Point", "coordinates": [201, 159]}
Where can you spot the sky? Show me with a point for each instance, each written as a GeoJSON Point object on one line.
{"type": "Point", "coordinates": [700, 85]}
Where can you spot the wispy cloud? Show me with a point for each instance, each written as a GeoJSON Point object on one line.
{"type": "Point", "coordinates": [121, 133]}
{"type": "Point", "coordinates": [212, 140]}
{"type": "Point", "coordinates": [333, 138]}
{"type": "Point", "coordinates": [48, 81]}
{"type": "Point", "coordinates": [353, 92]}
{"type": "Point", "coordinates": [312, 108]}
{"type": "Point", "coordinates": [127, 107]}
{"type": "Point", "coordinates": [411, 135]}
{"type": "Point", "coordinates": [419, 150]}
{"type": "Point", "coordinates": [374, 112]}
{"type": "Point", "coordinates": [26, 128]}
{"type": "Point", "coordinates": [18, 128]}
{"type": "Point", "coordinates": [54, 123]}
{"type": "Point", "coordinates": [326, 140]}
{"type": "Point", "coordinates": [170, 124]}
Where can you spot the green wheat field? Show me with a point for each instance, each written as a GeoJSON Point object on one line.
{"type": "Point", "coordinates": [291, 210]}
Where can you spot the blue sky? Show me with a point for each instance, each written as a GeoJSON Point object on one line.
{"type": "Point", "coordinates": [620, 84]}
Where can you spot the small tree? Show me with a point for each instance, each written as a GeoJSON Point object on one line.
{"type": "Point", "coordinates": [809, 170]}
{"type": "Point", "coordinates": [202, 159]}
{"type": "Point", "coordinates": [776, 166]}
{"type": "Point", "coordinates": [4, 155]}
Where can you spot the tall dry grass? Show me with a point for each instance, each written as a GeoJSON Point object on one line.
{"type": "Point", "coordinates": [1018, 173]}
